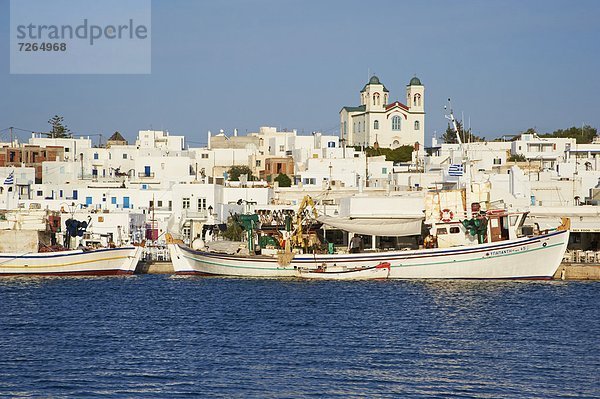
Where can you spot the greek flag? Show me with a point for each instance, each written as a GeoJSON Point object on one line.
{"type": "Point", "coordinates": [455, 170]}
{"type": "Point", "coordinates": [10, 179]}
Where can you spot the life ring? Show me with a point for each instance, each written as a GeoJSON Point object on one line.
{"type": "Point", "coordinates": [446, 215]}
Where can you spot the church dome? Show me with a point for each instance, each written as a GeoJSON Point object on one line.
{"type": "Point", "coordinates": [415, 82]}
{"type": "Point", "coordinates": [374, 80]}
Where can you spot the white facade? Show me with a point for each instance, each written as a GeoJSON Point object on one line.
{"type": "Point", "coordinates": [389, 124]}
{"type": "Point", "coordinates": [74, 147]}
{"type": "Point", "coordinates": [159, 139]}
{"type": "Point", "coordinates": [546, 151]}
{"type": "Point", "coordinates": [482, 156]}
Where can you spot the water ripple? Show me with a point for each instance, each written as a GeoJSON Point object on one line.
{"type": "Point", "coordinates": [155, 336]}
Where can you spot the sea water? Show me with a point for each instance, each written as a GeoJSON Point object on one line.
{"type": "Point", "coordinates": [170, 337]}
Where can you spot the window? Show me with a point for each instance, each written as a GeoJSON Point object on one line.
{"type": "Point", "coordinates": [281, 148]}
{"type": "Point", "coordinates": [95, 155]}
{"type": "Point", "coordinates": [201, 204]}
{"type": "Point", "coordinates": [396, 143]}
{"type": "Point", "coordinates": [454, 230]}
{"type": "Point", "coordinates": [258, 162]}
{"type": "Point", "coordinates": [88, 200]}
{"type": "Point", "coordinates": [384, 171]}
{"type": "Point", "coordinates": [417, 100]}
{"type": "Point", "coordinates": [124, 156]}
{"type": "Point", "coordinates": [442, 231]}
{"type": "Point", "coordinates": [344, 128]}
{"type": "Point", "coordinates": [204, 156]}
{"type": "Point", "coordinates": [396, 122]}
{"type": "Point", "coordinates": [186, 203]}
{"type": "Point", "coordinates": [67, 149]}
{"type": "Point", "coordinates": [159, 203]}
{"type": "Point", "coordinates": [417, 125]}
{"type": "Point", "coordinates": [39, 193]}
{"type": "Point", "coordinates": [376, 99]}
{"type": "Point", "coordinates": [331, 144]}
{"type": "Point", "coordinates": [497, 161]}
{"type": "Point", "coordinates": [376, 125]}
{"type": "Point", "coordinates": [113, 200]}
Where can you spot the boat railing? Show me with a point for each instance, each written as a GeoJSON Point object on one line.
{"type": "Point", "coordinates": [156, 253]}
{"type": "Point", "coordinates": [581, 256]}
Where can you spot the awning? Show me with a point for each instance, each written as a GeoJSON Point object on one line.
{"type": "Point", "coordinates": [375, 227]}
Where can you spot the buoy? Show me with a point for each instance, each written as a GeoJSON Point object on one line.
{"type": "Point", "coordinates": [446, 215]}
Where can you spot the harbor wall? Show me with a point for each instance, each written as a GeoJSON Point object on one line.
{"type": "Point", "coordinates": [155, 267]}
{"type": "Point", "coordinates": [578, 271]}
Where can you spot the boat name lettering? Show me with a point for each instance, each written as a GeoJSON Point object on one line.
{"type": "Point", "coordinates": [506, 251]}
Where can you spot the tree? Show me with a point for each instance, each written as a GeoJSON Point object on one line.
{"type": "Point", "coordinates": [235, 171]}
{"type": "Point", "coordinates": [517, 158]}
{"type": "Point", "coordinates": [283, 180]}
{"type": "Point", "coordinates": [582, 135]}
{"type": "Point", "coordinates": [59, 129]}
{"type": "Point", "coordinates": [399, 154]}
{"type": "Point", "coordinates": [466, 136]}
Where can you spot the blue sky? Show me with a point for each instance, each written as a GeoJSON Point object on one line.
{"type": "Point", "coordinates": [506, 65]}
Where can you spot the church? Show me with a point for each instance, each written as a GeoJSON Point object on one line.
{"type": "Point", "coordinates": [389, 124]}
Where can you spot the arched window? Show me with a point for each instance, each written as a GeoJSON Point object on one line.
{"type": "Point", "coordinates": [376, 125]}
{"type": "Point", "coordinates": [385, 99]}
{"type": "Point", "coordinates": [396, 122]}
{"type": "Point", "coordinates": [396, 143]}
{"type": "Point", "coordinates": [376, 99]}
{"type": "Point", "coordinates": [417, 125]}
{"type": "Point", "coordinates": [417, 100]}
{"type": "Point", "coordinates": [345, 128]}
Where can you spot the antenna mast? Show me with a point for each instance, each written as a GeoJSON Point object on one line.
{"type": "Point", "coordinates": [454, 124]}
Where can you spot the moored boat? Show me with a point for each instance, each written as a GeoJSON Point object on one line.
{"type": "Point", "coordinates": [96, 262]}
{"type": "Point", "coordinates": [528, 257]}
{"type": "Point", "coordinates": [30, 245]}
{"type": "Point", "coordinates": [335, 272]}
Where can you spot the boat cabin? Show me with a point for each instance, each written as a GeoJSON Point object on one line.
{"type": "Point", "coordinates": [483, 227]}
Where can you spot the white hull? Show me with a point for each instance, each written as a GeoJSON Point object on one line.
{"type": "Point", "coordinates": [96, 262]}
{"type": "Point", "coordinates": [525, 258]}
{"type": "Point", "coordinates": [340, 273]}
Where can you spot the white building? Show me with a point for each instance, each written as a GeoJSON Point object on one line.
{"type": "Point", "coordinates": [377, 119]}
{"type": "Point", "coordinates": [546, 151]}
{"type": "Point", "coordinates": [159, 139]}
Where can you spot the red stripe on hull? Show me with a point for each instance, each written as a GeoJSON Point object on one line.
{"type": "Point", "coordinates": [113, 272]}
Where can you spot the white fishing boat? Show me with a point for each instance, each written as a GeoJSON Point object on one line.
{"type": "Point", "coordinates": [528, 257]}
{"type": "Point", "coordinates": [97, 262]}
{"type": "Point", "coordinates": [29, 247]}
{"type": "Point", "coordinates": [335, 272]}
